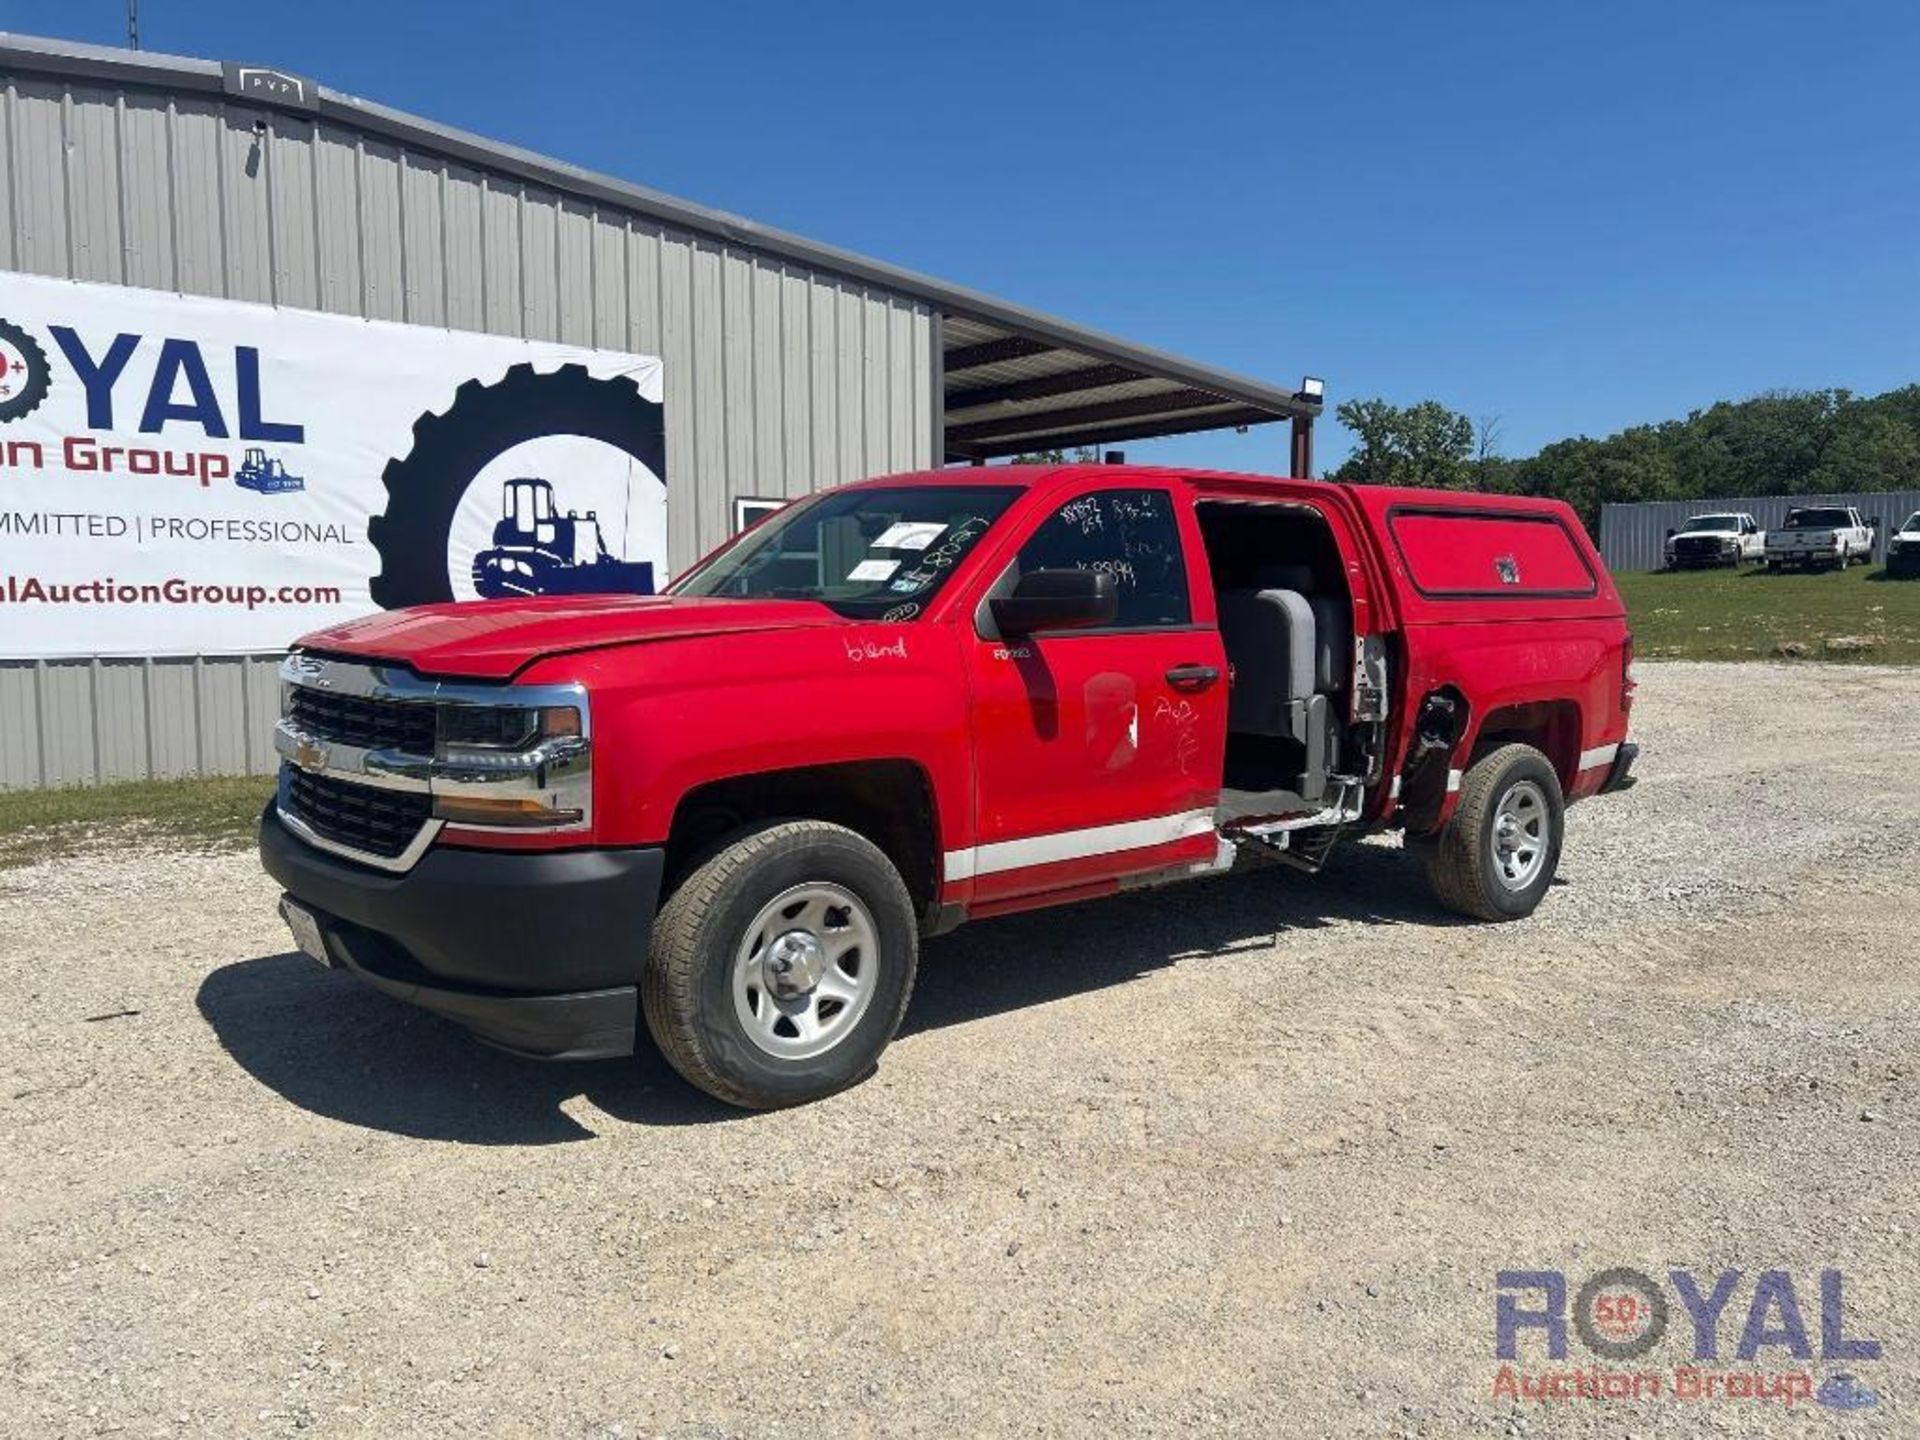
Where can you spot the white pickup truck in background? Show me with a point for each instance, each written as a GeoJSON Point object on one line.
{"type": "Point", "coordinates": [1832, 535]}
{"type": "Point", "coordinates": [1727, 538]}
{"type": "Point", "coordinates": [1903, 550]}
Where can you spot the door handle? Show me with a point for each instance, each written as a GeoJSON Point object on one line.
{"type": "Point", "coordinates": [1192, 677]}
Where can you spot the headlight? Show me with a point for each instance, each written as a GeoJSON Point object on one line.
{"type": "Point", "coordinates": [519, 766]}
{"type": "Point", "coordinates": [503, 727]}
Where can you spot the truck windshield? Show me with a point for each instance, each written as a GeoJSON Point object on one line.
{"type": "Point", "coordinates": [1913, 524]}
{"type": "Point", "coordinates": [868, 554]}
{"type": "Point", "coordinates": [1819, 520]}
{"type": "Point", "coordinates": [1713, 522]}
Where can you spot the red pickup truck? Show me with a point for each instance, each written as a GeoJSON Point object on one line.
{"type": "Point", "coordinates": [737, 808]}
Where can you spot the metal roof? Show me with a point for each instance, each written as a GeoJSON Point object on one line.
{"type": "Point", "coordinates": [1014, 380]}
{"type": "Point", "coordinates": [1010, 392]}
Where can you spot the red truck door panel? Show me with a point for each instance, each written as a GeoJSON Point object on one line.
{"type": "Point", "coordinates": [1098, 752]}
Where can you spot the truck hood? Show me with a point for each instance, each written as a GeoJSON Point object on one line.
{"type": "Point", "coordinates": [496, 639]}
{"type": "Point", "coordinates": [1704, 535]}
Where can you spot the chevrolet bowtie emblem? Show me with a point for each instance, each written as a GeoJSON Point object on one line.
{"type": "Point", "coordinates": [310, 755]}
{"type": "Point", "coordinates": [311, 672]}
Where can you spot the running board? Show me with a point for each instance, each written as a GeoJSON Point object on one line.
{"type": "Point", "coordinates": [1352, 799]}
{"type": "Point", "coordinates": [1304, 840]}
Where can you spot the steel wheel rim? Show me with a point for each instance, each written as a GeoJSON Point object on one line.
{"type": "Point", "coordinates": [1521, 822]}
{"type": "Point", "coordinates": [806, 970]}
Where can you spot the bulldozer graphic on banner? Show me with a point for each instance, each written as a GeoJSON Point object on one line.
{"type": "Point", "coordinates": [538, 551]}
{"type": "Point", "coordinates": [265, 474]}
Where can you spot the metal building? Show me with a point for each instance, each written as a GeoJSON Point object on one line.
{"type": "Point", "coordinates": [789, 365]}
{"type": "Point", "coordinates": [1633, 537]}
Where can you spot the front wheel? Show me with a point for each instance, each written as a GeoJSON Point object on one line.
{"type": "Point", "coordinates": [1497, 855]}
{"type": "Point", "coordinates": [781, 967]}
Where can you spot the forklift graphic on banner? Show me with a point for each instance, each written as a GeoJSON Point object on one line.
{"type": "Point", "coordinates": [538, 551]}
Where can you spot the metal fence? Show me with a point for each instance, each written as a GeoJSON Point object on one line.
{"type": "Point", "coordinates": [1632, 537]}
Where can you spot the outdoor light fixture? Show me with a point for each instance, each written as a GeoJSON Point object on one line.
{"type": "Point", "coordinates": [1313, 389]}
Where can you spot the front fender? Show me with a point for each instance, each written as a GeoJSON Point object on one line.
{"type": "Point", "coordinates": [671, 716]}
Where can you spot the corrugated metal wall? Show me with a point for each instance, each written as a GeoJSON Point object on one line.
{"type": "Point", "coordinates": [779, 380]}
{"type": "Point", "coordinates": [77, 722]}
{"type": "Point", "coordinates": [1632, 537]}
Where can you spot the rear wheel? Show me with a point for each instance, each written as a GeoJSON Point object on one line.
{"type": "Point", "coordinates": [1497, 855]}
{"type": "Point", "coordinates": [781, 967]}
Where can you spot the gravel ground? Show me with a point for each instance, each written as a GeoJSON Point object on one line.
{"type": "Point", "coordinates": [1240, 1157]}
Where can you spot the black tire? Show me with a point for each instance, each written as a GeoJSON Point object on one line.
{"type": "Point", "coordinates": [687, 990]}
{"type": "Point", "coordinates": [425, 488]}
{"type": "Point", "coordinates": [27, 390]}
{"type": "Point", "coordinates": [1463, 870]}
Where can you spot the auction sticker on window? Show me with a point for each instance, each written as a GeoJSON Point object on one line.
{"type": "Point", "coordinates": [910, 535]}
{"type": "Point", "coordinates": [873, 570]}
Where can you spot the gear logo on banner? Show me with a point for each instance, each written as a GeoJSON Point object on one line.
{"type": "Point", "coordinates": [485, 504]}
{"type": "Point", "coordinates": [24, 373]}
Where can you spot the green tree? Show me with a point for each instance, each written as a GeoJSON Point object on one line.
{"type": "Point", "coordinates": [1422, 444]}
{"type": "Point", "coordinates": [1376, 428]}
{"type": "Point", "coordinates": [1779, 443]}
{"type": "Point", "coordinates": [1083, 455]}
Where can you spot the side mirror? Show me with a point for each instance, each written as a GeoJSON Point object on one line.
{"type": "Point", "coordinates": [1057, 600]}
{"type": "Point", "coordinates": [1874, 522]}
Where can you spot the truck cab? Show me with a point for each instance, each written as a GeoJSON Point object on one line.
{"type": "Point", "coordinates": [735, 810]}
{"type": "Point", "coordinates": [1721, 538]}
{"type": "Point", "coordinates": [1830, 536]}
{"type": "Point", "coordinates": [1903, 550]}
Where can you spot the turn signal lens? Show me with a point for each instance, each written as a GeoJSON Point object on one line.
{"type": "Point", "coordinates": [517, 812]}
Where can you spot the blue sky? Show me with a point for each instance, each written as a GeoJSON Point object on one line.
{"type": "Point", "coordinates": [1572, 217]}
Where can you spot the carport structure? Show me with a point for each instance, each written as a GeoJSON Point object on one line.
{"type": "Point", "coordinates": [1022, 382]}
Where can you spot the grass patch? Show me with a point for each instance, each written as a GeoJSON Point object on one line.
{"type": "Point", "coordinates": [45, 824]}
{"type": "Point", "coordinates": [1853, 615]}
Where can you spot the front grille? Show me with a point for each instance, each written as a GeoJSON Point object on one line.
{"type": "Point", "coordinates": [1696, 549]}
{"type": "Point", "coordinates": [401, 725]}
{"type": "Point", "coordinates": [361, 817]}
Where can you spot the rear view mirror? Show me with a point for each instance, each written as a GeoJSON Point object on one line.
{"type": "Point", "coordinates": [1057, 600]}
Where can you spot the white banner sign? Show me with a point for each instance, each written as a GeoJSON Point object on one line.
{"type": "Point", "coordinates": [186, 476]}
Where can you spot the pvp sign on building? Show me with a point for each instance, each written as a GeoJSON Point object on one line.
{"type": "Point", "coordinates": [274, 356]}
